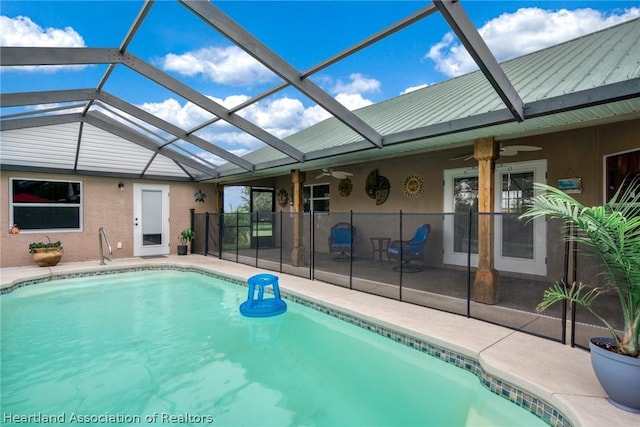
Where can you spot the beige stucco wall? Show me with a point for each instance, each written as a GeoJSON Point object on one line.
{"type": "Point", "coordinates": [574, 153]}
{"type": "Point", "coordinates": [104, 205]}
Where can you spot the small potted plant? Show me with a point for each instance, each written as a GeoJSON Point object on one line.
{"type": "Point", "coordinates": [611, 233]}
{"type": "Point", "coordinates": [185, 237]}
{"type": "Point", "coordinates": [46, 254]}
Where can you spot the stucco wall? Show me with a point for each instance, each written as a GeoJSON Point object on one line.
{"type": "Point", "coordinates": [104, 205]}
{"type": "Point", "coordinates": [573, 153]}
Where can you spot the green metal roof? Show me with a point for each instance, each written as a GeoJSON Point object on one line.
{"type": "Point", "coordinates": [457, 111]}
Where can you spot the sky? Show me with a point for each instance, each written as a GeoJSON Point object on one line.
{"type": "Point", "coordinates": [303, 33]}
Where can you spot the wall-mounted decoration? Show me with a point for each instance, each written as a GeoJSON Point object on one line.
{"type": "Point", "coordinates": [344, 187]}
{"type": "Point", "coordinates": [413, 185]}
{"type": "Point", "coordinates": [377, 187]}
{"type": "Point", "coordinates": [570, 185]}
{"type": "Point", "coordinates": [199, 196]}
{"type": "Point", "coordinates": [283, 198]}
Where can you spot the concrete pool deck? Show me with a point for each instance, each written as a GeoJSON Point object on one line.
{"type": "Point", "coordinates": [556, 373]}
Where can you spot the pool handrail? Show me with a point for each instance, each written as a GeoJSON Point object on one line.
{"type": "Point", "coordinates": [103, 233]}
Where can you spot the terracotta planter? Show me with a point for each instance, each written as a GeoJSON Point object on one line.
{"type": "Point", "coordinates": [619, 375]}
{"type": "Point", "coordinates": [47, 257]}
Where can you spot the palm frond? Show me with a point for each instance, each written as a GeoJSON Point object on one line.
{"type": "Point", "coordinates": [612, 233]}
{"type": "Point", "coordinates": [579, 293]}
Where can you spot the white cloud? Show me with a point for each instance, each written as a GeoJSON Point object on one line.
{"type": "Point", "coordinates": [184, 116]}
{"type": "Point", "coordinates": [526, 30]}
{"type": "Point", "coordinates": [230, 139]}
{"type": "Point", "coordinates": [353, 101]}
{"type": "Point", "coordinates": [414, 88]}
{"type": "Point", "coordinates": [350, 93]}
{"type": "Point", "coordinates": [21, 31]}
{"type": "Point", "coordinates": [280, 117]}
{"type": "Point", "coordinates": [357, 83]}
{"type": "Point", "coordinates": [225, 65]}
{"type": "Point", "coordinates": [313, 115]}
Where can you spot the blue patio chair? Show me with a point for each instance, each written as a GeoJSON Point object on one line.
{"type": "Point", "coordinates": [409, 254]}
{"type": "Point", "coordinates": [341, 240]}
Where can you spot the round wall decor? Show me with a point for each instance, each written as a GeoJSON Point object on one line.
{"type": "Point", "coordinates": [377, 187]}
{"type": "Point", "coordinates": [413, 185]}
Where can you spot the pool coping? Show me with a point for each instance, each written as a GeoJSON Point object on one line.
{"type": "Point", "coordinates": [492, 353]}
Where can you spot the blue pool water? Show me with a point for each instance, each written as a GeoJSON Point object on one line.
{"type": "Point", "coordinates": [168, 347]}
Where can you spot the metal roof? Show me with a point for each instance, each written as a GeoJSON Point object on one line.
{"type": "Point", "coordinates": [592, 79]}
{"type": "Point", "coordinates": [588, 80]}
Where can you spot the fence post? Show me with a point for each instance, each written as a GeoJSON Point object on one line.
{"type": "Point", "coordinates": [220, 233]}
{"type": "Point", "coordinates": [280, 244]}
{"type": "Point", "coordinates": [469, 226]}
{"type": "Point", "coordinates": [192, 215]}
{"type": "Point", "coordinates": [312, 243]}
{"type": "Point", "coordinates": [574, 250]}
{"type": "Point", "coordinates": [257, 224]}
{"type": "Point", "coordinates": [351, 250]}
{"type": "Point", "coordinates": [401, 258]}
{"type": "Point", "coordinates": [206, 233]}
{"type": "Point", "coordinates": [237, 236]}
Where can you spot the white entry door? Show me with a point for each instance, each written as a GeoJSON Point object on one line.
{"type": "Point", "coordinates": [150, 220]}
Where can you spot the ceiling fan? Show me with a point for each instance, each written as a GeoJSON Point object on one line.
{"type": "Point", "coordinates": [334, 173]}
{"type": "Point", "coordinates": [507, 150]}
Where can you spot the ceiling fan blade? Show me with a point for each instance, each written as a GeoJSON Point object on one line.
{"type": "Point", "coordinates": [522, 148]}
{"type": "Point", "coordinates": [507, 152]}
{"type": "Point", "coordinates": [467, 156]}
{"type": "Point", "coordinates": [323, 174]}
{"type": "Point", "coordinates": [341, 174]}
{"type": "Point", "coordinates": [510, 150]}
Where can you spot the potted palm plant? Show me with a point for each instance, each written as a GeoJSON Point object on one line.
{"type": "Point", "coordinates": [46, 254]}
{"type": "Point", "coordinates": [185, 237]}
{"type": "Point", "coordinates": [612, 233]}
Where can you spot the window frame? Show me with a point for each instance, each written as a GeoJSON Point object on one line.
{"type": "Point", "coordinates": [538, 265]}
{"type": "Point", "coordinates": [311, 198]}
{"type": "Point", "coordinates": [79, 205]}
{"type": "Point", "coordinates": [606, 196]}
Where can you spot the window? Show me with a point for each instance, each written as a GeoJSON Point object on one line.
{"type": "Point", "coordinates": [45, 204]}
{"type": "Point", "coordinates": [465, 198]}
{"type": "Point", "coordinates": [618, 167]}
{"type": "Point", "coordinates": [517, 193]}
{"type": "Point", "coordinates": [316, 198]}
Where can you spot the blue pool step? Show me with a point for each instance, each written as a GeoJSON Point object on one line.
{"type": "Point", "coordinates": [258, 306]}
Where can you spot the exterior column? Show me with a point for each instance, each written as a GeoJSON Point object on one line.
{"type": "Point", "coordinates": [298, 254]}
{"type": "Point", "coordinates": [485, 286]}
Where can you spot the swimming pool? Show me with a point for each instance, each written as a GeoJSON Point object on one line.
{"type": "Point", "coordinates": [168, 346]}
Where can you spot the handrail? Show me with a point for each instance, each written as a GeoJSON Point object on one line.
{"type": "Point", "coordinates": [103, 233]}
